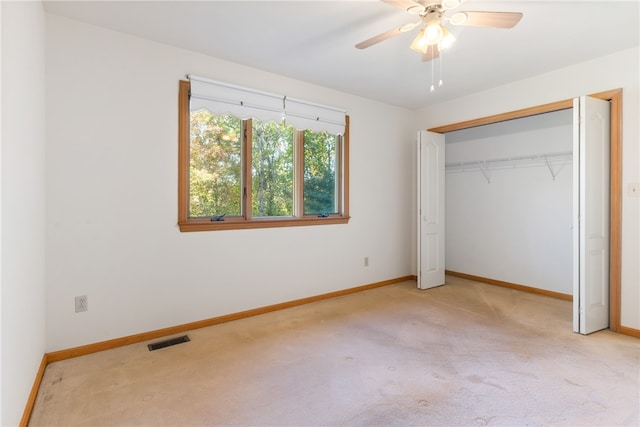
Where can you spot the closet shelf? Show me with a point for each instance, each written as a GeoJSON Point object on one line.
{"type": "Point", "coordinates": [551, 160]}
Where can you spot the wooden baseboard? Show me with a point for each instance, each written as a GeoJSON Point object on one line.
{"type": "Point", "coordinates": [160, 333]}
{"type": "Point", "coordinates": [57, 356]}
{"type": "Point", "coordinates": [26, 415]}
{"type": "Point", "coordinates": [625, 330]}
{"type": "Point", "coordinates": [524, 288]}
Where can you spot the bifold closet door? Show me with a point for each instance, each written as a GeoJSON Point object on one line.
{"type": "Point", "coordinates": [591, 169]}
{"type": "Point", "coordinates": [430, 209]}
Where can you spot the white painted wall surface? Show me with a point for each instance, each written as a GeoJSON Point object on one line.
{"type": "Point", "coordinates": [22, 260]}
{"type": "Point", "coordinates": [112, 196]}
{"type": "Point", "coordinates": [620, 70]}
{"type": "Point", "coordinates": [517, 226]}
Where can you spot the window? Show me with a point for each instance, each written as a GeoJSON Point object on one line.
{"type": "Point", "coordinates": [257, 172]}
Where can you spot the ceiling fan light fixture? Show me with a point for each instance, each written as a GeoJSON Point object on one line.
{"type": "Point", "coordinates": [450, 4]}
{"type": "Point", "coordinates": [447, 39]}
{"type": "Point", "coordinates": [430, 35]}
{"type": "Point", "coordinates": [458, 18]}
{"type": "Point", "coordinates": [418, 43]}
{"type": "Point", "coordinates": [433, 33]}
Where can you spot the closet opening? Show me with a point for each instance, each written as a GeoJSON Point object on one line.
{"type": "Point", "coordinates": [554, 161]}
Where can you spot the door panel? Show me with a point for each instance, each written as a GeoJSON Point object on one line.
{"type": "Point", "coordinates": [430, 209]}
{"type": "Point", "coordinates": [591, 214]}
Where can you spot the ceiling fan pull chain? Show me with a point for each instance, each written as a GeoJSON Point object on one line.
{"type": "Point", "coordinates": [433, 88]}
{"type": "Point", "coordinates": [440, 64]}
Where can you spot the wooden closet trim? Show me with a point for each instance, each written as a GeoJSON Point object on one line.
{"type": "Point", "coordinates": [614, 96]}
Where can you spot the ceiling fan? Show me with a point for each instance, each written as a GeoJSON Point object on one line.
{"type": "Point", "coordinates": [434, 35]}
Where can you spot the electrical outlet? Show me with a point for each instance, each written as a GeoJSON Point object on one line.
{"type": "Point", "coordinates": [81, 303]}
{"type": "Point", "coordinates": [634, 189]}
{"type": "Point", "coordinates": [366, 261]}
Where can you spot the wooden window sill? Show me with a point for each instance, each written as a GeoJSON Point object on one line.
{"type": "Point", "coordinates": [208, 225]}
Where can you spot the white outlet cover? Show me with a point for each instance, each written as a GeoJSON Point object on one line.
{"type": "Point", "coordinates": [634, 189]}
{"type": "Point", "coordinates": [81, 303]}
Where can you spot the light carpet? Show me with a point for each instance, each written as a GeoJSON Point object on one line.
{"type": "Point", "coordinates": [466, 354]}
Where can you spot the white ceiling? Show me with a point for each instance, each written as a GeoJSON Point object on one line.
{"type": "Point", "coordinates": [314, 41]}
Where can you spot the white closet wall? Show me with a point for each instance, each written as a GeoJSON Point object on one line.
{"type": "Point", "coordinates": [508, 201]}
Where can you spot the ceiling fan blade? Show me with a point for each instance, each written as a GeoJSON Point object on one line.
{"type": "Point", "coordinates": [380, 37]}
{"type": "Point", "coordinates": [432, 53]}
{"type": "Point", "coordinates": [488, 19]}
{"type": "Point", "coordinates": [402, 4]}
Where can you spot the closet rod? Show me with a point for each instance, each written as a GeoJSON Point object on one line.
{"type": "Point", "coordinates": [549, 159]}
{"type": "Point", "coordinates": [544, 158]}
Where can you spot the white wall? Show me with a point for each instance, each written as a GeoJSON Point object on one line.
{"type": "Point", "coordinates": [112, 178]}
{"type": "Point", "coordinates": [620, 70]}
{"type": "Point", "coordinates": [23, 211]}
{"type": "Point", "coordinates": [514, 226]}
{"type": "Point", "coordinates": [112, 196]}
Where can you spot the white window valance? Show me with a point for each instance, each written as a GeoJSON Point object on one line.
{"type": "Point", "coordinates": [318, 118]}
{"type": "Point", "coordinates": [224, 98]}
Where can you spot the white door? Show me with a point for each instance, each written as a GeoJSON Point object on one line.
{"type": "Point", "coordinates": [430, 209]}
{"type": "Point", "coordinates": [591, 145]}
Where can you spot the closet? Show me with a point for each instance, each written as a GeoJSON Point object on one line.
{"type": "Point", "coordinates": [508, 201]}
{"type": "Point", "coordinates": [527, 201]}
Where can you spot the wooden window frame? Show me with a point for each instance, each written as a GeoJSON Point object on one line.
{"type": "Point", "coordinates": [187, 223]}
{"type": "Point", "coordinates": [299, 179]}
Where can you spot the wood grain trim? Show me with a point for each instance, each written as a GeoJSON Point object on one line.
{"type": "Point", "coordinates": [630, 331]}
{"type": "Point", "coordinates": [614, 96]}
{"type": "Point", "coordinates": [159, 333]}
{"type": "Point", "coordinates": [183, 151]}
{"type": "Point", "coordinates": [615, 208]}
{"type": "Point", "coordinates": [510, 285]}
{"type": "Point", "coordinates": [345, 170]}
{"type": "Point", "coordinates": [247, 170]}
{"type": "Point", "coordinates": [298, 180]}
{"type": "Point", "coordinates": [496, 118]}
{"type": "Point", "coordinates": [206, 225]}
{"type": "Point", "coordinates": [31, 401]}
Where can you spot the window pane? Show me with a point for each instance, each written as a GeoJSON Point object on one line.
{"type": "Point", "coordinates": [272, 169]}
{"type": "Point", "coordinates": [320, 173]}
{"type": "Point", "coordinates": [215, 183]}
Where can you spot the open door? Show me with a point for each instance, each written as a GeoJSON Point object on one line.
{"type": "Point", "coordinates": [430, 209]}
{"type": "Point", "coordinates": [591, 164]}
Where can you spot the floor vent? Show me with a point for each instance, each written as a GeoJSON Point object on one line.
{"type": "Point", "coordinates": [168, 343]}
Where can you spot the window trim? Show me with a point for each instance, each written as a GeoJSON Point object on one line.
{"type": "Point", "coordinates": [204, 224]}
